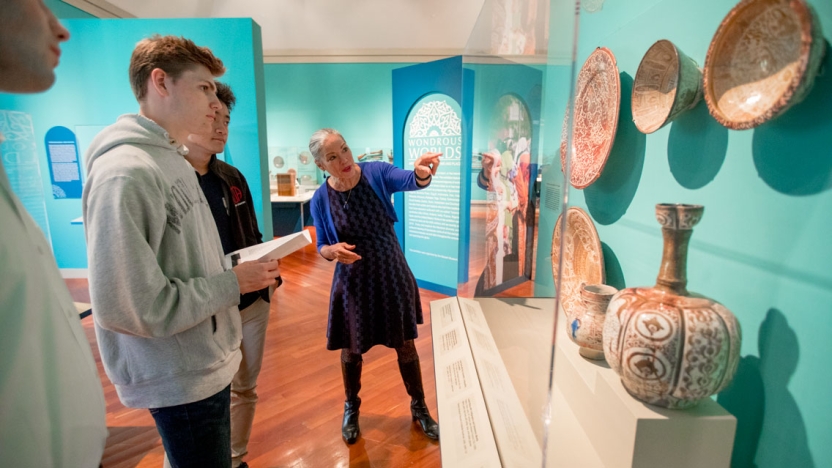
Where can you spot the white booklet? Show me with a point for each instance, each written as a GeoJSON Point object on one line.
{"type": "Point", "coordinates": [271, 250]}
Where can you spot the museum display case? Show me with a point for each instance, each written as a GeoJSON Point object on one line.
{"type": "Point", "coordinates": [563, 346]}
{"type": "Point", "coordinates": [608, 168]}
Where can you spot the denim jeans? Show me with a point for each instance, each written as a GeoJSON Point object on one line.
{"type": "Point", "coordinates": [197, 434]}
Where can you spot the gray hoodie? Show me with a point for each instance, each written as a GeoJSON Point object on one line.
{"type": "Point", "coordinates": [164, 306]}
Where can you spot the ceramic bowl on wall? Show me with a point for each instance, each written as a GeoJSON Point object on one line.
{"type": "Point", "coordinates": [597, 100]}
{"type": "Point", "coordinates": [763, 59]}
{"type": "Point", "coordinates": [583, 259]}
{"type": "Point", "coordinates": [278, 162]}
{"type": "Point", "coordinates": [667, 83]}
{"type": "Point", "coordinates": [305, 157]}
{"type": "Point", "coordinates": [592, 6]}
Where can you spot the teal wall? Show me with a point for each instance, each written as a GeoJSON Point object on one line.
{"type": "Point", "coordinates": [354, 98]}
{"type": "Point", "coordinates": [92, 90]}
{"type": "Point", "coordinates": [763, 246]}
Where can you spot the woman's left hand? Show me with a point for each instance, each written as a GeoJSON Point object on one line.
{"type": "Point", "coordinates": [426, 165]}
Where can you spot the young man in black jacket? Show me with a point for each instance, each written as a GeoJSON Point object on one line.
{"type": "Point", "coordinates": [231, 204]}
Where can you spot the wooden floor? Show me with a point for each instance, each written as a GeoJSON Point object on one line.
{"type": "Point", "coordinates": [298, 418]}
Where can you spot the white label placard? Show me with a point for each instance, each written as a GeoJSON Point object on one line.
{"type": "Point", "coordinates": [466, 438]}
{"type": "Point", "coordinates": [512, 430]}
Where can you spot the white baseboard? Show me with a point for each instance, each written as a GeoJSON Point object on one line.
{"type": "Point", "coordinates": [75, 273]}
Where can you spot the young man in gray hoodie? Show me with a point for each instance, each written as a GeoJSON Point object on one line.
{"type": "Point", "coordinates": [164, 304]}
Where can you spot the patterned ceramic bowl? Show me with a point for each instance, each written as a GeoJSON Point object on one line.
{"type": "Point", "coordinates": [583, 259]}
{"type": "Point", "coordinates": [762, 60]}
{"type": "Point", "coordinates": [667, 83]}
{"type": "Point", "coordinates": [597, 102]}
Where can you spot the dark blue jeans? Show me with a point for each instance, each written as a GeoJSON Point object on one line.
{"type": "Point", "coordinates": [197, 434]}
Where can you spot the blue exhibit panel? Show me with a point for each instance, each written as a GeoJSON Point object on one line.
{"type": "Point", "coordinates": [64, 165]}
{"type": "Point", "coordinates": [431, 221]}
{"type": "Point", "coordinates": [508, 101]}
{"type": "Point", "coordinates": [419, 87]}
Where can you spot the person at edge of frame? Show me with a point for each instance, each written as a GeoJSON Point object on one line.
{"type": "Point", "coordinates": [51, 400]}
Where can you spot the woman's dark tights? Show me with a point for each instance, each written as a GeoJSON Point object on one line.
{"type": "Point", "coordinates": [405, 353]}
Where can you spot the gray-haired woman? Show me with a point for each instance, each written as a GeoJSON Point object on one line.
{"type": "Point", "coordinates": [374, 298]}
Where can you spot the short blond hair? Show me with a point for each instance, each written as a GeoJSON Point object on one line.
{"type": "Point", "coordinates": [174, 55]}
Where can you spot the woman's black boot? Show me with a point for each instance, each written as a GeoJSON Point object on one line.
{"type": "Point", "coordinates": [351, 371]}
{"type": "Point", "coordinates": [412, 377]}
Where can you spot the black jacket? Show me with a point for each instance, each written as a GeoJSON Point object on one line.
{"type": "Point", "coordinates": [244, 231]}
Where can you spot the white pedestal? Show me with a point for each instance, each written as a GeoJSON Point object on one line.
{"type": "Point", "coordinates": [505, 345]}
{"type": "Point", "coordinates": [624, 432]}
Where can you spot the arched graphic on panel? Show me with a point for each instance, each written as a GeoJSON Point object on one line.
{"type": "Point", "coordinates": [431, 221]}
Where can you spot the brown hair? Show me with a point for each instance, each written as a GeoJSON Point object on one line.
{"type": "Point", "coordinates": [225, 95]}
{"type": "Point", "coordinates": [174, 55]}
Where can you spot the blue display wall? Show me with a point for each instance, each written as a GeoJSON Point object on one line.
{"type": "Point", "coordinates": [762, 247]}
{"type": "Point", "coordinates": [441, 265]}
{"type": "Point", "coordinates": [491, 82]}
{"type": "Point", "coordinates": [92, 90]}
{"type": "Point", "coordinates": [507, 99]}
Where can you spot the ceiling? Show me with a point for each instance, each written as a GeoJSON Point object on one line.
{"type": "Point", "coordinates": [328, 30]}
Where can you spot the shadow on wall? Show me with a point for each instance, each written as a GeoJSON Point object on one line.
{"type": "Point", "coordinates": [612, 267]}
{"type": "Point", "coordinates": [610, 196]}
{"type": "Point", "coordinates": [770, 428]}
{"type": "Point", "coordinates": [696, 147]}
{"type": "Point", "coordinates": [791, 153]}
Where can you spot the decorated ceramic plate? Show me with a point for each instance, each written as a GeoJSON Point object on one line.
{"type": "Point", "coordinates": [597, 100]}
{"type": "Point", "coordinates": [278, 162]}
{"type": "Point", "coordinates": [583, 260]}
{"type": "Point", "coordinates": [763, 59]}
{"type": "Point", "coordinates": [667, 83]}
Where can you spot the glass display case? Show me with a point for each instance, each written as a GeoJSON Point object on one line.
{"type": "Point", "coordinates": [493, 343]}
{"type": "Point", "coordinates": [603, 191]}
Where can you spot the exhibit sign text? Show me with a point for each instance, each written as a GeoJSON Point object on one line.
{"type": "Point", "coordinates": [434, 124]}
